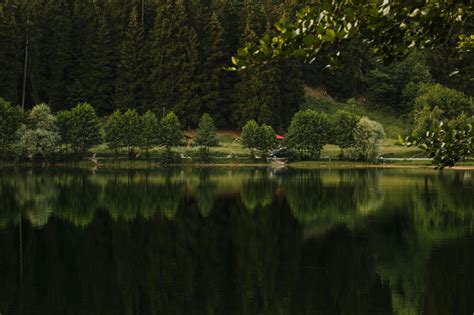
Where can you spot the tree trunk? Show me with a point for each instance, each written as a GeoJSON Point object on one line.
{"type": "Point", "coordinates": [143, 13]}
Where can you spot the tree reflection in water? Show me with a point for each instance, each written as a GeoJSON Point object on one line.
{"type": "Point", "coordinates": [242, 241]}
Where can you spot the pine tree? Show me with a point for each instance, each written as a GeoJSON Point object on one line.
{"type": "Point", "coordinates": [173, 63]}
{"type": "Point", "coordinates": [257, 93]}
{"type": "Point", "coordinates": [10, 120]}
{"type": "Point", "coordinates": [291, 92]}
{"type": "Point", "coordinates": [213, 80]}
{"type": "Point", "coordinates": [206, 132]}
{"type": "Point", "coordinates": [101, 77]}
{"type": "Point", "coordinates": [55, 51]}
{"type": "Point", "coordinates": [84, 28]}
{"type": "Point", "coordinates": [10, 65]}
{"type": "Point", "coordinates": [130, 85]}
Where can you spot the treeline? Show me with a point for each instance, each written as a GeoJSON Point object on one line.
{"type": "Point", "coordinates": [163, 55]}
{"type": "Point", "coordinates": [359, 138]}
{"type": "Point", "coordinates": [388, 86]}
{"type": "Point", "coordinates": [146, 55]}
{"type": "Point", "coordinates": [41, 135]}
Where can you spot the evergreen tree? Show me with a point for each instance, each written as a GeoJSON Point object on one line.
{"type": "Point", "coordinates": [55, 52]}
{"type": "Point", "coordinates": [10, 64]}
{"type": "Point", "coordinates": [291, 92]}
{"type": "Point", "coordinates": [11, 119]}
{"type": "Point", "coordinates": [173, 63]}
{"type": "Point", "coordinates": [258, 94]}
{"type": "Point", "coordinates": [130, 85]}
{"type": "Point", "coordinates": [84, 29]}
{"type": "Point", "coordinates": [387, 84]}
{"type": "Point", "coordinates": [214, 82]}
{"type": "Point", "coordinates": [206, 132]}
{"type": "Point", "coordinates": [101, 76]}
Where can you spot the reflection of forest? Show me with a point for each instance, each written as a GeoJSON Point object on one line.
{"type": "Point", "coordinates": [230, 242]}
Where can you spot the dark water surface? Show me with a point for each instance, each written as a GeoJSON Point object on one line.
{"type": "Point", "coordinates": [237, 241]}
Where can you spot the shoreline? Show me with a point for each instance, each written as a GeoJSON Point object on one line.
{"type": "Point", "coordinates": [143, 164]}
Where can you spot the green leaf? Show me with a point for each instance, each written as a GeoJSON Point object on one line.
{"type": "Point", "coordinates": [330, 35]}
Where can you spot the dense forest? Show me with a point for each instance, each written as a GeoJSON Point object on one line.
{"type": "Point", "coordinates": [166, 56]}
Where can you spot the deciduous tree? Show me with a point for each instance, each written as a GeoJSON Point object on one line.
{"type": "Point", "coordinates": [39, 138]}
{"type": "Point", "coordinates": [308, 133]}
{"type": "Point", "coordinates": [170, 131]}
{"type": "Point", "coordinates": [149, 131]}
{"type": "Point", "coordinates": [114, 131]}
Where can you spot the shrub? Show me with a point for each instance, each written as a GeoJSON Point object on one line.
{"type": "Point", "coordinates": [426, 119]}
{"type": "Point", "coordinates": [447, 142]}
{"type": "Point", "coordinates": [342, 131]}
{"type": "Point", "coordinates": [308, 133]}
{"type": "Point", "coordinates": [450, 101]}
{"type": "Point", "coordinates": [368, 136]}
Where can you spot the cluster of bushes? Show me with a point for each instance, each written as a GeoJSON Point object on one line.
{"type": "Point", "coordinates": [309, 131]}
{"type": "Point", "coordinates": [442, 124]}
{"type": "Point", "coordinates": [39, 135]}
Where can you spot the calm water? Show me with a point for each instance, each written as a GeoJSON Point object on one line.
{"type": "Point", "coordinates": [237, 241]}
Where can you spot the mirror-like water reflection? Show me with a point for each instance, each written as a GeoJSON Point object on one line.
{"type": "Point", "coordinates": [237, 241]}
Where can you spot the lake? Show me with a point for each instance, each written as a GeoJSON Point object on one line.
{"type": "Point", "coordinates": [236, 241]}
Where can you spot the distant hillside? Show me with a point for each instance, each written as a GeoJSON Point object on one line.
{"type": "Point", "coordinates": [318, 100]}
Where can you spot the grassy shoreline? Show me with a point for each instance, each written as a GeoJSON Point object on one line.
{"type": "Point", "coordinates": [149, 164]}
